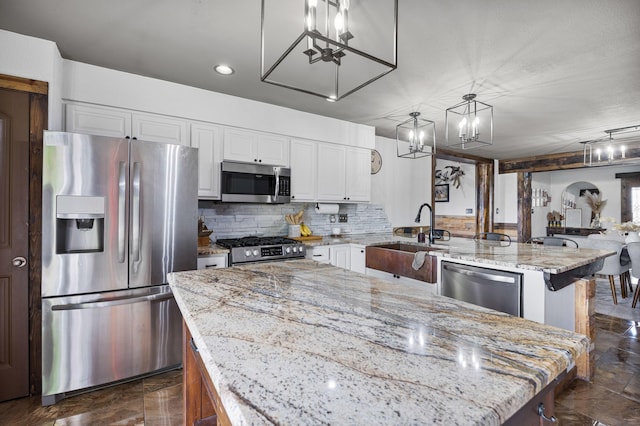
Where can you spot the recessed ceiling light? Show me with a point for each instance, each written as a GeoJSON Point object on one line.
{"type": "Point", "coordinates": [223, 69]}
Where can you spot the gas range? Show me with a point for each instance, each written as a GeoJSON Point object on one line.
{"type": "Point", "coordinates": [257, 249]}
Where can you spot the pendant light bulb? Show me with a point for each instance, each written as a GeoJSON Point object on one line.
{"type": "Point", "coordinates": [338, 22]}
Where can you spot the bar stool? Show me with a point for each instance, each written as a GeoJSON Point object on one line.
{"type": "Point", "coordinates": [611, 266]}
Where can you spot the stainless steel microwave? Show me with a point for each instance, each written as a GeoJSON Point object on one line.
{"type": "Point", "coordinates": [254, 183]}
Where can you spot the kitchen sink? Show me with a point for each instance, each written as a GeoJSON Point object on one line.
{"type": "Point", "coordinates": [396, 258]}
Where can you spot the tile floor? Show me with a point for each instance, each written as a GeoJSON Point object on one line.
{"type": "Point", "coordinates": [612, 398]}
{"type": "Point", "coordinates": [155, 400]}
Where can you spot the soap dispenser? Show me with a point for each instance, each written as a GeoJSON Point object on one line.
{"type": "Point", "coordinates": [421, 237]}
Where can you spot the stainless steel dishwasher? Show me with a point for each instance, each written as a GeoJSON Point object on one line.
{"type": "Point", "coordinates": [497, 290]}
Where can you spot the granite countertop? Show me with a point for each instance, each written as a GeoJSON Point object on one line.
{"type": "Point", "coordinates": [535, 257]}
{"type": "Point", "coordinates": [299, 342]}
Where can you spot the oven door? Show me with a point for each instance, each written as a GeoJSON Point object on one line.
{"type": "Point", "coordinates": [254, 183]}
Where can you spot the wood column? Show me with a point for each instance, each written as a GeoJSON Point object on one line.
{"type": "Point", "coordinates": [484, 196]}
{"type": "Point", "coordinates": [585, 303]}
{"type": "Point", "coordinates": [524, 206]}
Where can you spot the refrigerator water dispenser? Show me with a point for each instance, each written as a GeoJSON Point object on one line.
{"type": "Point", "coordinates": [79, 224]}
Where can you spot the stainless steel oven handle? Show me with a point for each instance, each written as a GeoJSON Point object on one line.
{"type": "Point", "coordinates": [114, 302]}
{"type": "Point", "coordinates": [122, 188]}
{"type": "Point", "coordinates": [135, 219]}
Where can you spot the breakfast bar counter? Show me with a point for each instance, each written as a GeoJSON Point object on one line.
{"type": "Point", "coordinates": [299, 342]}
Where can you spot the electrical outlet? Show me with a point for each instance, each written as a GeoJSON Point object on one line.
{"type": "Point", "coordinates": [332, 218]}
{"type": "Point", "coordinates": [342, 218]}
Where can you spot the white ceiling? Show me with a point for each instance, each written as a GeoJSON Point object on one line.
{"type": "Point", "coordinates": [556, 71]}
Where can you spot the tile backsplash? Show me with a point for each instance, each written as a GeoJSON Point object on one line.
{"type": "Point", "coordinates": [232, 220]}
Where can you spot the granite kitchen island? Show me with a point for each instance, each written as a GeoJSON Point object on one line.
{"type": "Point", "coordinates": [299, 342]}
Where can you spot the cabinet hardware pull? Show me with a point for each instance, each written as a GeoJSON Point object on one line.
{"type": "Point", "coordinates": [551, 419]}
{"type": "Point", "coordinates": [211, 266]}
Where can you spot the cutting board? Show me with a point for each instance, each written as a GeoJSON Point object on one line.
{"type": "Point", "coordinates": [311, 238]}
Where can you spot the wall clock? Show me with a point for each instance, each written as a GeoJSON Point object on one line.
{"type": "Point", "coordinates": [376, 161]}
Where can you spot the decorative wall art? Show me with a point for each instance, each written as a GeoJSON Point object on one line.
{"type": "Point", "coordinates": [441, 193]}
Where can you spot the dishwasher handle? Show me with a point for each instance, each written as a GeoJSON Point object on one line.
{"type": "Point", "coordinates": [113, 302]}
{"type": "Point", "coordinates": [477, 274]}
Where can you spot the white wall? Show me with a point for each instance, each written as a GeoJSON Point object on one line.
{"type": "Point", "coordinates": [460, 199]}
{"type": "Point", "coordinates": [89, 83]}
{"type": "Point", "coordinates": [36, 59]}
{"type": "Point", "coordinates": [540, 181]}
{"type": "Point", "coordinates": [402, 185]}
{"type": "Point", "coordinates": [505, 196]}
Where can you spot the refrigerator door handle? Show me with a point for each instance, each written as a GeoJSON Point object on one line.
{"type": "Point", "coordinates": [122, 188]}
{"type": "Point", "coordinates": [114, 302]}
{"type": "Point", "coordinates": [135, 219]}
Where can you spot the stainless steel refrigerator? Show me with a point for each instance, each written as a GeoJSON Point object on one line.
{"type": "Point", "coordinates": [118, 215]}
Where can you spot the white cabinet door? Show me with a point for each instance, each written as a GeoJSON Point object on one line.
{"type": "Point", "coordinates": [303, 170]}
{"type": "Point", "coordinates": [159, 128]}
{"type": "Point", "coordinates": [121, 123]}
{"type": "Point", "coordinates": [101, 121]}
{"type": "Point", "coordinates": [254, 147]}
{"type": "Point", "coordinates": [358, 174]}
{"type": "Point", "coordinates": [208, 139]}
{"type": "Point", "coordinates": [341, 256]}
{"type": "Point", "coordinates": [273, 149]}
{"type": "Point", "coordinates": [344, 173]}
{"type": "Point", "coordinates": [212, 262]}
{"type": "Point", "coordinates": [357, 260]}
{"type": "Point", "coordinates": [240, 145]}
{"type": "Point", "coordinates": [331, 172]}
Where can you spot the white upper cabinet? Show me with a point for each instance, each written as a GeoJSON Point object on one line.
{"type": "Point", "coordinates": [331, 172]}
{"type": "Point", "coordinates": [101, 121]}
{"type": "Point", "coordinates": [255, 147]}
{"type": "Point", "coordinates": [208, 139]}
{"type": "Point", "coordinates": [344, 173]}
{"type": "Point", "coordinates": [303, 170]}
{"type": "Point", "coordinates": [358, 174]}
{"type": "Point", "coordinates": [121, 123]}
{"type": "Point", "coordinates": [156, 128]}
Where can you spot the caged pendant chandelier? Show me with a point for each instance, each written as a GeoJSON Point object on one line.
{"type": "Point", "coordinates": [469, 124]}
{"type": "Point", "coordinates": [416, 137]}
{"type": "Point", "coordinates": [328, 48]}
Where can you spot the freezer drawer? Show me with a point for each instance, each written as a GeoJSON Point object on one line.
{"type": "Point", "coordinates": [497, 290]}
{"type": "Point", "coordinates": [96, 339]}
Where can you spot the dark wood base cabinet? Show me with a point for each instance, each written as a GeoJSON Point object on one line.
{"type": "Point", "coordinates": [202, 406]}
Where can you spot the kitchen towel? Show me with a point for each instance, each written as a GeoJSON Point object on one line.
{"type": "Point", "coordinates": [418, 260]}
{"type": "Point", "coordinates": [327, 208]}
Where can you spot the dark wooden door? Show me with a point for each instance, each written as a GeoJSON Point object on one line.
{"type": "Point", "coordinates": [630, 183]}
{"type": "Point", "coordinates": [14, 244]}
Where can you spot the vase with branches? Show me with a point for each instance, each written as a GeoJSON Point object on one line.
{"type": "Point", "coordinates": [596, 203]}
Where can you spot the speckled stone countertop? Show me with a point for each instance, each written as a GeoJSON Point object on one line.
{"type": "Point", "coordinates": [299, 342]}
{"type": "Point", "coordinates": [535, 257]}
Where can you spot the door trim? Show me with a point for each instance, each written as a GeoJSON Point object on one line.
{"type": "Point", "coordinates": [38, 118]}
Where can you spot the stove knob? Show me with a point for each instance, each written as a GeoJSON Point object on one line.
{"type": "Point", "coordinates": [295, 249]}
{"type": "Point", "coordinates": [287, 250]}
{"type": "Point", "coordinates": [301, 249]}
{"type": "Point", "coordinates": [247, 253]}
{"type": "Point", "coordinates": [255, 252]}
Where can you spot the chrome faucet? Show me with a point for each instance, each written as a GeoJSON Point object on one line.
{"type": "Point", "coordinates": [431, 239]}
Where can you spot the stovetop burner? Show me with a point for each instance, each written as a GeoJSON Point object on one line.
{"type": "Point", "coordinates": [257, 249]}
